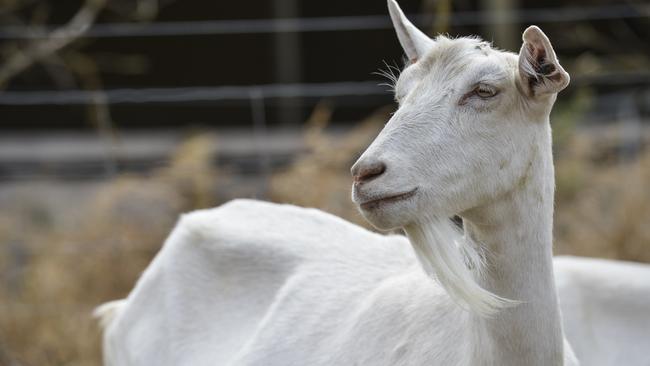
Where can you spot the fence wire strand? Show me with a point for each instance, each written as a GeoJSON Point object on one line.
{"type": "Point", "coordinates": [334, 24]}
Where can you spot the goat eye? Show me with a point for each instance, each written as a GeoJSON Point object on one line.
{"type": "Point", "coordinates": [484, 91]}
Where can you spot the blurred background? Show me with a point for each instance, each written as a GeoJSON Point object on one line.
{"type": "Point", "coordinates": [116, 116]}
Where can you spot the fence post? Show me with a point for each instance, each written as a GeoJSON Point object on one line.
{"type": "Point", "coordinates": [260, 136]}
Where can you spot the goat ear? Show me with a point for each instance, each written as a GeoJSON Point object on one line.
{"type": "Point", "coordinates": [539, 70]}
{"type": "Point", "coordinates": [414, 42]}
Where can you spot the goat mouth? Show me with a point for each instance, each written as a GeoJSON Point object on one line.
{"type": "Point", "coordinates": [377, 202]}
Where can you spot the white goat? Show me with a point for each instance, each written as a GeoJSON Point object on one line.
{"type": "Point", "coordinates": [254, 283]}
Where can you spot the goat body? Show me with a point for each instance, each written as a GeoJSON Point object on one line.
{"type": "Point", "coordinates": [230, 287]}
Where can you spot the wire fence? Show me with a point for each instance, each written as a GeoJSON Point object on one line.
{"type": "Point", "coordinates": [186, 94]}
{"type": "Point", "coordinates": [255, 96]}
{"type": "Point", "coordinates": [268, 91]}
{"type": "Point", "coordinates": [337, 24]}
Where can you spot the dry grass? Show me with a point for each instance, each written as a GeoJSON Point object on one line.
{"type": "Point", "coordinates": [53, 275]}
{"type": "Point", "coordinates": [45, 320]}
{"type": "Point", "coordinates": [602, 208]}
{"type": "Point", "coordinates": [321, 178]}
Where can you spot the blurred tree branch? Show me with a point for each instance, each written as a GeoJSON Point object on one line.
{"type": "Point", "coordinates": [66, 67]}
{"type": "Point", "coordinates": [56, 40]}
{"type": "Point", "coordinates": [99, 113]}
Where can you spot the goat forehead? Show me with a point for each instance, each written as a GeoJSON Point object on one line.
{"type": "Point", "coordinates": [454, 56]}
{"type": "Point", "coordinates": [448, 50]}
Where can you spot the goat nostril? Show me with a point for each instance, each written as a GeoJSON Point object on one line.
{"type": "Point", "coordinates": [369, 172]}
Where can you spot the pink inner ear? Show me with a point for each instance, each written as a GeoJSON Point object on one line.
{"type": "Point", "coordinates": [537, 56]}
{"type": "Point", "coordinates": [539, 67]}
{"type": "Point", "coordinates": [539, 62]}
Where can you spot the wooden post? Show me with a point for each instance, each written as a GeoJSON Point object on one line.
{"type": "Point", "coordinates": [501, 27]}
{"type": "Point", "coordinates": [287, 61]}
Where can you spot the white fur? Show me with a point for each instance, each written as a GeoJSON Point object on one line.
{"type": "Point", "coordinates": [332, 293]}
{"type": "Point", "coordinates": [107, 312]}
{"type": "Point", "coordinates": [453, 261]}
{"type": "Point", "coordinates": [606, 309]}
{"type": "Point", "coordinates": [253, 283]}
